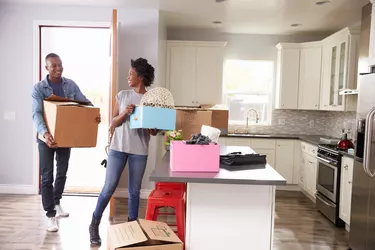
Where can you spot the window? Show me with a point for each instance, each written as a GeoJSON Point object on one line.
{"type": "Point", "coordinates": [248, 85]}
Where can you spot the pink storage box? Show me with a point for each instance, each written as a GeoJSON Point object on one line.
{"type": "Point", "coordinates": [194, 158]}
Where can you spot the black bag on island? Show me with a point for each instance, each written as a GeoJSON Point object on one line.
{"type": "Point", "coordinates": [238, 159]}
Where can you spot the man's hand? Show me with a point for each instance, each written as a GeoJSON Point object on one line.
{"type": "Point", "coordinates": [129, 109]}
{"type": "Point", "coordinates": [49, 140]}
{"type": "Point", "coordinates": [98, 119]}
{"type": "Point", "coordinates": [153, 132]}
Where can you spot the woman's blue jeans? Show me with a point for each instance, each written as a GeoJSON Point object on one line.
{"type": "Point", "coordinates": [115, 165]}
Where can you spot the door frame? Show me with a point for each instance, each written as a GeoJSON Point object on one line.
{"type": "Point", "coordinates": [37, 75]}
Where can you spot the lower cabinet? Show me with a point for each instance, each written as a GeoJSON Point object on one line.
{"type": "Point", "coordinates": [281, 154]}
{"type": "Point", "coordinates": [347, 165]}
{"type": "Point", "coordinates": [308, 169]}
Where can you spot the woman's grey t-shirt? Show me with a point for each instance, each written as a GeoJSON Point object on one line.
{"type": "Point", "coordinates": [131, 141]}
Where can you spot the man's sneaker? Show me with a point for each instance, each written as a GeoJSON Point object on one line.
{"type": "Point", "coordinates": [52, 225]}
{"type": "Point", "coordinates": [60, 211]}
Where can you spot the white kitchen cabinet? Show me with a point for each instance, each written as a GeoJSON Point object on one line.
{"type": "Point", "coordinates": [310, 172]}
{"type": "Point", "coordinates": [195, 69]}
{"type": "Point", "coordinates": [284, 160]}
{"type": "Point", "coordinates": [310, 77]}
{"type": "Point", "coordinates": [287, 76]}
{"type": "Point", "coordinates": [339, 70]}
{"type": "Point", "coordinates": [308, 169]}
{"type": "Point", "coordinates": [270, 156]}
{"type": "Point", "coordinates": [347, 165]}
{"type": "Point", "coordinates": [238, 142]}
{"type": "Point", "coordinates": [222, 141]}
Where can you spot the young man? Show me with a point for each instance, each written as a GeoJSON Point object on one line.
{"type": "Point", "coordinates": [55, 84]}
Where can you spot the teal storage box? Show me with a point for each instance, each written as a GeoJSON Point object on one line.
{"type": "Point", "coordinates": [153, 117]}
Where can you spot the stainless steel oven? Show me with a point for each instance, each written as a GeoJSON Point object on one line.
{"type": "Point", "coordinates": [328, 182]}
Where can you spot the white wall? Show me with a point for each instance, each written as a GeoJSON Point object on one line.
{"type": "Point", "coordinates": [138, 37]}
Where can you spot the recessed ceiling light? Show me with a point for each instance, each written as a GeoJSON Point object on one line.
{"type": "Point", "coordinates": [323, 2]}
{"type": "Point", "coordinates": [217, 22]}
{"type": "Point", "coordinates": [296, 25]}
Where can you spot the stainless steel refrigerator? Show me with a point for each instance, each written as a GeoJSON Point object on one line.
{"type": "Point", "coordinates": [362, 222]}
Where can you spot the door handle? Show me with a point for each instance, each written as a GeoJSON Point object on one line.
{"type": "Point", "coordinates": [324, 160]}
{"type": "Point", "coordinates": [367, 145]}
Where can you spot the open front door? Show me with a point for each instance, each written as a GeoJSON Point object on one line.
{"type": "Point", "coordinates": [113, 90]}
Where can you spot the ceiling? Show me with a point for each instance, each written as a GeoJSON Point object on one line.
{"type": "Point", "coordinates": [241, 16]}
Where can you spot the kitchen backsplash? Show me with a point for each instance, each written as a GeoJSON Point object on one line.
{"type": "Point", "coordinates": [302, 122]}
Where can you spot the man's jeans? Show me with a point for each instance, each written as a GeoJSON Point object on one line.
{"type": "Point", "coordinates": [115, 165]}
{"type": "Point", "coordinates": [51, 195]}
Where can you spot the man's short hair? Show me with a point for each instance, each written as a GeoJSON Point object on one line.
{"type": "Point", "coordinates": [51, 55]}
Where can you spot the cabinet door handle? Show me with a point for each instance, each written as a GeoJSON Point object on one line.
{"type": "Point", "coordinates": [346, 167]}
{"type": "Point", "coordinates": [349, 182]}
{"type": "Point", "coordinates": [311, 162]}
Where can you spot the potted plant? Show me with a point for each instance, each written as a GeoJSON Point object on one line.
{"type": "Point", "coordinates": [172, 135]}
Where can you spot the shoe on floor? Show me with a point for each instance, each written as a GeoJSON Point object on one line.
{"type": "Point", "coordinates": [52, 225]}
{"type": "Point", "coordinates": [60, 211]}
{"type": "Point", "coordinates": [94, 232]}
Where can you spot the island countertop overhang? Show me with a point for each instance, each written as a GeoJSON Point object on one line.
{"type": "Point", "coordinates": [267, 176]}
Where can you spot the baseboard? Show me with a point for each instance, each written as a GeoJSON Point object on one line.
{"type": "Point", "coordinates": [17, 189]}
{"type": "Point", "coordinates": [123, 193]}
{"type": "Point", "coordinates": [288, 188]}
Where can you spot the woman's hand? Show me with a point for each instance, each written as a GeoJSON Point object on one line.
{"type": "Point", "coordinates": [129, 109]}
{"type": "Point", "coordinates": [153, 132]}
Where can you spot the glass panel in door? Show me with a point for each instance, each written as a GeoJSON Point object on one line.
{"type": "Point", "coordinates": [342, 70]}
{"type": "Point", "coordinates": [333, 76]}
{"type": "Point", "coordinates": [326, 177]}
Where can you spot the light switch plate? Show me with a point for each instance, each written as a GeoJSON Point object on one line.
{"type": "Point", "coordinates": [10, 115]}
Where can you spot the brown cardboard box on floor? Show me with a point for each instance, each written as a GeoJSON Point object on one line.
{"type": "Point", "coordinates": [190, 120]}
{"type": "Point", "coordinates": [71, 123]}
{"type": "Point", "coordinates": [145, 234]}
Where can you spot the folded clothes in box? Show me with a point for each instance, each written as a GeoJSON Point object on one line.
{"type": "Point", "coordinates": [194, 157]}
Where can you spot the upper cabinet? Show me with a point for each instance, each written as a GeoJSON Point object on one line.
{"type": "Point", "coordinates": [195, 72]}
{"type": "Point", "coordinates": [298, 74]}
{"type": "Point", "coordinates": [287, 74]}
{"type": "Point", "coordinates": [311, 75]}
{"type": "Point", "coordinates": [339, 71]}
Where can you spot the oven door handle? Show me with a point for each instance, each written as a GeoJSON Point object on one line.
{"type": "Point", "coordinates": [324, 160]}
{"type": "Point", "coordinates": [325, 202]}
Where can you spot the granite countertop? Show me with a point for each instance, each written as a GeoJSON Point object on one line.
{"type": "Point", "coordinates": [312, 139]}
{"type": "Point", "coordinates": [266, 176]}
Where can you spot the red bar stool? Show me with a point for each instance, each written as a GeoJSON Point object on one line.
{"type": "Point", "coordinates": [175, 199]}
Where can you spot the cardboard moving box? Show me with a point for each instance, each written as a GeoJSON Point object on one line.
{"type": "Point", "coordinates": [71, 123]}
{"type": "Point", "coordinates": [190, 120]}
{"type": "Point", "coordinates": [150, 235]}
{"type": "Point", "coordinates": [220, 119]}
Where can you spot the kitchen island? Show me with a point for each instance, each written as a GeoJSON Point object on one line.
{"type": "Point", "coordinates": [229, 209]}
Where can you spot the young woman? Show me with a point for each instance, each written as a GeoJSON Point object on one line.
{"type": "Point", "coordinates": [126, 145]}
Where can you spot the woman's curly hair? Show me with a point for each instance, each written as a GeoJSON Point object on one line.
{"type": "Point", "coordinates": [144, 70]}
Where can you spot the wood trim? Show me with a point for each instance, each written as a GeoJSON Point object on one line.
{"type": "Point", "coordinates": [113, 86]}
{"type": "Point", "coordinates": [114, 38]}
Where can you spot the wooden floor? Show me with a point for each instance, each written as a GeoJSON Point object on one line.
{"type": "Point", "coordinates": [298, 226]}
